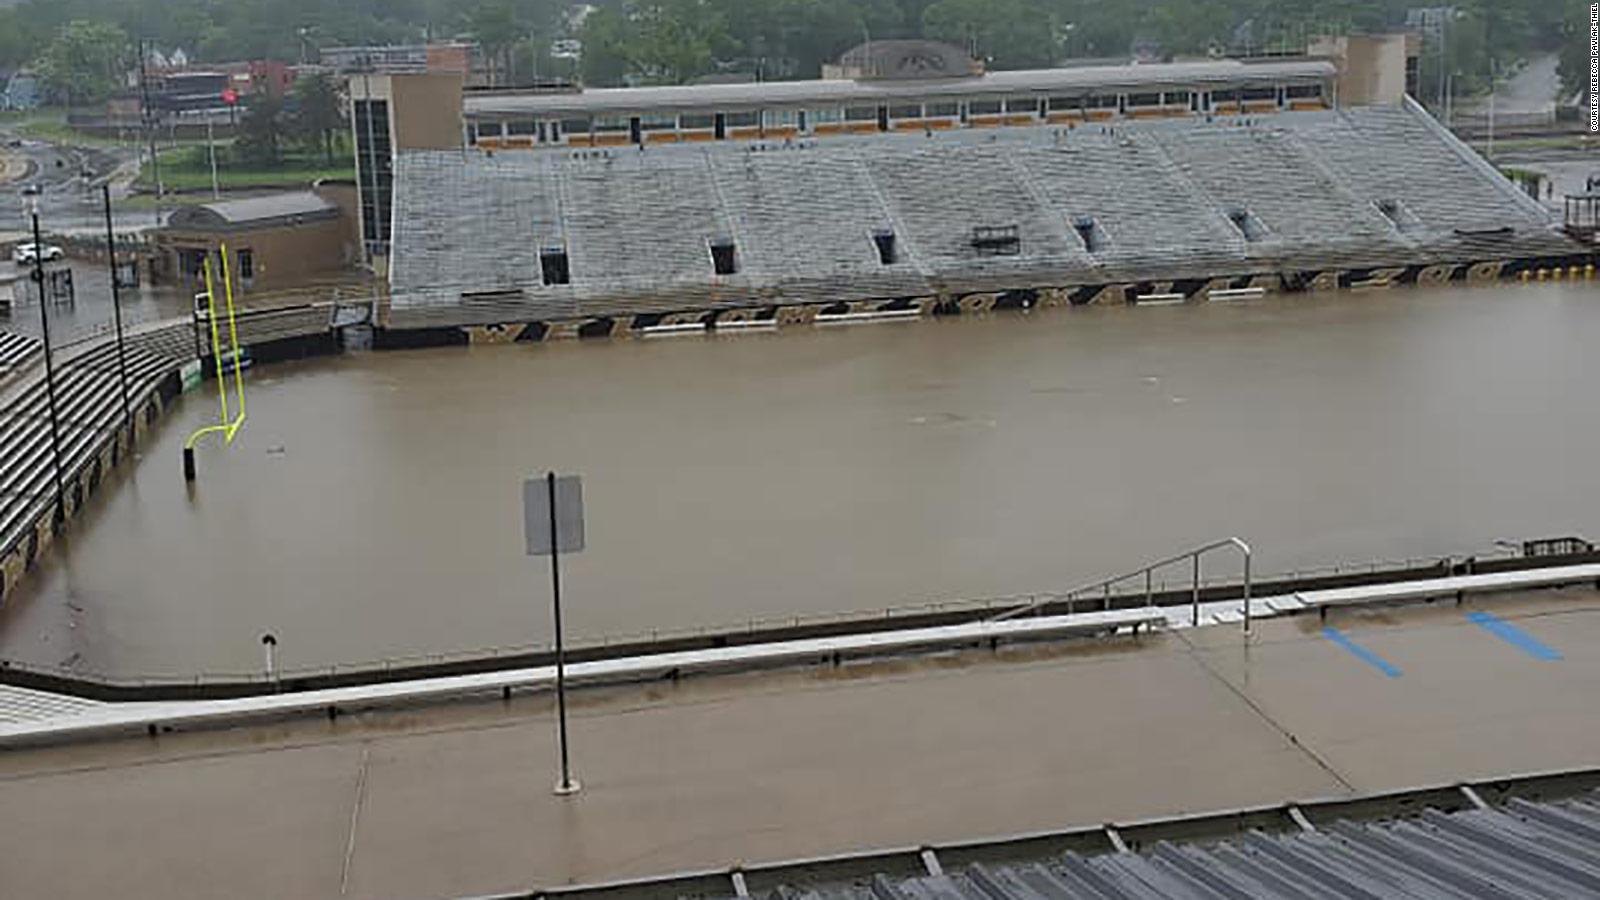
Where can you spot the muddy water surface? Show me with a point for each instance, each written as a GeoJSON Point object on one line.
{"type": "Point", "coordinates": [370, 508]}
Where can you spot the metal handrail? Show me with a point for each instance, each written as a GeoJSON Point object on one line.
{"type": "Point", "coordinates": [1106, 585]}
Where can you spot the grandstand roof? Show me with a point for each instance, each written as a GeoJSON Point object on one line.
{"type": "Point", "coordinates": [1365, 187]}
{"type": "Point", "coordinates": [844, 92]}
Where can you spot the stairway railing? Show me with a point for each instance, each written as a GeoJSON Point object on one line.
{"type": "Point", "coordinates": [1104, 587]}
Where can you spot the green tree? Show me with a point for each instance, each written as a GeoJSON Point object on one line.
{"type": "Point", "coordinates": [494, 24]}
{"type": "Point", "coordinates": [86, 61]}
{"type": "Point", "coordinates": [1573, 62]}
{"type": "Point", "coordinates": [318, 112]}
{"type": "Point", "coordinates": [676, 39]}
{"type": "Point", "coordinates": [14, 43]}
{"type": "Point", "coordinates": [654, 41]}
{"type": "Point", "coordinates": [1014, 34]}
{"type": "Point", "coordinates": [261, 132]}
{"type": "Point", "coordinates": [606, 42]}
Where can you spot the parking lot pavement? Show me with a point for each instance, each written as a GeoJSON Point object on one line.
{"type": "Point", "coordinates": [90, 312]}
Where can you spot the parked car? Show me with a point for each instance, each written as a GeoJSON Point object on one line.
{"type": "Point", "coordinates": [24, 254]}
{"type": "Point", "coordinates": [32, 190]}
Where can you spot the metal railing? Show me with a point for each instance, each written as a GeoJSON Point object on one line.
{"type": "Point", "coordinates": [600, 644]}
{"type": "Point", "coordinates": [1148, 572]}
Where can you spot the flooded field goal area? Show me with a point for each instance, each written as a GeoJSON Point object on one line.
{"type": "Point", "coordinates": [370, 508]}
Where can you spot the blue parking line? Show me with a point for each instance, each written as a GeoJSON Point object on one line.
{"type": "Point", "coordinates": [1360, 652]}
{"type": "Point", "coordinates": [1514, 636]}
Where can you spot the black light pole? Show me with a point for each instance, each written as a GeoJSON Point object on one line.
{"type": "Point", "coordinates": [49, 363]}
{"type": "Point", "coordinates": [567, 785]}
{"type": "Point", "coordinates": [150, 123]}
{"type": "Point", "coordinates": [116, 311]}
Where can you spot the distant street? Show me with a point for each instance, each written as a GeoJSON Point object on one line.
{"type": "Point", "coordinates": [1531, 90]}
{"type": "Point", "coordinates": [69, 180]}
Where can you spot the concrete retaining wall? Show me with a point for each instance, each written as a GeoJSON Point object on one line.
{"type": "Point", "coordinates": [1575, 267]}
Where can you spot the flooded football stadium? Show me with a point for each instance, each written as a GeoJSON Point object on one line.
{"type": "Point", "coordinates": [370, 508]}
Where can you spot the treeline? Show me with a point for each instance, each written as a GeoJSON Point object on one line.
{"type": "Point", "coordinates": [666, 41]}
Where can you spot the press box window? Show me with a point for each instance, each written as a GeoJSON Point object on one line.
{"type": "Point", "coordinates": [1022, 105]}
{"type": "Point", "coordinates": [489, 129]}
{"type": "Point", "coordinates": [780, 118]}
{"type": "Point", "coordinates": [943, 110]}
{"type": "Point", "coordinates": [575, 126]}
{"type": "Point", "coordinates": [697, 121]}
{"type": "Point", "coordinates": [658, 123]}
{"type": "Point", "coordinates": [861, 114]}
{"type": "Point", "coordinates": [983, 107]}
{"type": "Point", "coordinates": [521, 128]}
{"type": "Point", "coordinates": [906, 111]}
{"type": "Point", "coordinates": [1144, 99]}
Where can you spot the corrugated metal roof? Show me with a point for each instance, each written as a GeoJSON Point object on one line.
{"type": "Point", "coordinates": [843, 92]}
{"type": "Point", "coordinates": [1522, 850]}
{"type": "Point", "coordinates": [1425, 843]}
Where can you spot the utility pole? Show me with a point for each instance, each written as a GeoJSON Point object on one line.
{"type": "Point", "coordinates": [1449, 97]}
{"type": "Point", "coordinates": [1490, 151]}
{"type": "Point", "coordinates": [211, 147]}
{"type": "Point", "coordinates": [147, 116]}
{"type": "Point", "coordinates": [1444, 24]}
{"type": "Point", "coordinates": [49, 366]}
{"type": "Point", "coordinates": [116, 309]}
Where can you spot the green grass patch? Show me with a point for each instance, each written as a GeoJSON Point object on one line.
{"type": "Point", "coordinates": [170, 201]}
{"type": "Point", "coordinates": [51, 125]}
{"type": "Point", "coordinates": [1560, 142]}
{"type": "Point", "coordinates": [189, 169]}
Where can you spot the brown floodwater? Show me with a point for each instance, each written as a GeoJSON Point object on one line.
{"type": "Point", "coordinates": [371, 506]}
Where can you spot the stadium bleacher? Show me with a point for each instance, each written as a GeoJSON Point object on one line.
{"type": "Point", "coordinates": [1163, 199]}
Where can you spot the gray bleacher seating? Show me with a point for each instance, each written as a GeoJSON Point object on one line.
{"type": "Point", "coordinates": [1309, 191]}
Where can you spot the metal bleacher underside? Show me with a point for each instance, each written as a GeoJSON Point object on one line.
{"type": "Point", "coordinates": [1357, 188]}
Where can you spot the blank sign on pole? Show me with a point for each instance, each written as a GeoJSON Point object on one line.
{"type": "Point", "coordinates": [552, 518]}
{"type": "Point", "coordinates": [536, 518]}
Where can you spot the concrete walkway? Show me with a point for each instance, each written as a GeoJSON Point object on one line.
{"type": "Point", "coordinates": [453, 800]}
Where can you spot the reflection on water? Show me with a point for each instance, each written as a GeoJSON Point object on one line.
{"type": "Point", "coordinates": [371, 506]}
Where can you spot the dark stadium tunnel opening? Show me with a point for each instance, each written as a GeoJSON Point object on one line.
{"type": "Point", "coordinates": [553, 266]}
{"type": "Point", "coordinates": [883, 239]}
{"type": "Point", "coordinates": [596, 328]}
{"type": "Point", "coordinates": [1246, 222]}
{"type": "Point", "coordinates": [1089, 232]}
{"type": "Point", "coordinates": [724, 255]}
{"type": "Point", "coordinates": [1025, 298]}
